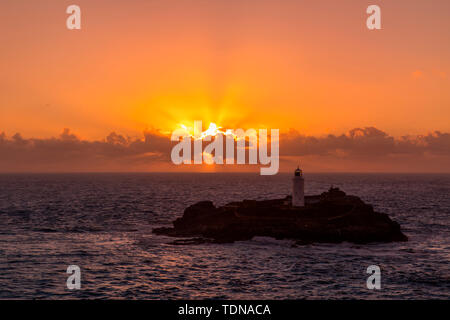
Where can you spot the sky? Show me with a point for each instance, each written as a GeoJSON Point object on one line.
{"type": "Point", "coordinates": [138, 69]}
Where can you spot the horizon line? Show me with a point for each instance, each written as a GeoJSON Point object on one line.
{"type": "Point", "coordinates": [217, 172]}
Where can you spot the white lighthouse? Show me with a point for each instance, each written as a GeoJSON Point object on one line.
{"type": "Point", "coordinates": [298, 189]}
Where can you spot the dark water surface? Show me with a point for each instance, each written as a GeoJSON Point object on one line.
{"type": "Point", "coordinates": [103, 223]}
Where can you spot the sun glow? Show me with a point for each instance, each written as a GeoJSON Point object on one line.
{"type": "Point", "coordinates": [239, 145]}
{"type": "Point", "coordinates": [212, 131]}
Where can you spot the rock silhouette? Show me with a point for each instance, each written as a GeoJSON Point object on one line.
{"type": "Point", "coordinates": [331, 217]}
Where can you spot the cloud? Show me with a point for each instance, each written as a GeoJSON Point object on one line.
{"type": "Point", "coordinates": [416, 74]}
{"type": "Point", "coordinates": [429, 74]}
{"type": "Point", "coordinates": [369, 146]}
{"type": "Point", "coordinates": [364, 142]}
{"type": "Point", "coordinates": [70, 153]}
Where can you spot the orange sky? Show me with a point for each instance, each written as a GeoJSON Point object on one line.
{"type": "Point", "coordinates": [308, 65]}
{"type": "Point", "coordinates": [144, 66]}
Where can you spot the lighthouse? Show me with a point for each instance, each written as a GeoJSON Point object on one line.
{"type": "Point", "coordinates": [298, 189]}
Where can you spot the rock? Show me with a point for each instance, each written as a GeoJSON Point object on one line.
{"type": "Point", "coordinates": [331, 217]}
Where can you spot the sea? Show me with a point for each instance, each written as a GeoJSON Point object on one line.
{"type": "Point", "coordinates": [102, 223]}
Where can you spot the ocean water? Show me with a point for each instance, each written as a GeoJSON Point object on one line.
{"type": "Point", "coordinates": [103, 223]}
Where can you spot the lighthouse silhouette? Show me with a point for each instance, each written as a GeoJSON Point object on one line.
{"type": "Point", "coordinates": [298, 189]}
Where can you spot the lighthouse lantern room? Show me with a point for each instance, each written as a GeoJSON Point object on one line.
{"type": "Point", "coordinates": [298, 189]}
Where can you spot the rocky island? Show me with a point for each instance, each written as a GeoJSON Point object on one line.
{"type": "Point", "coordinates": [330, 217]}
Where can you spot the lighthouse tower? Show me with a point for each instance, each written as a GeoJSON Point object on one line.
{"type": "Point", "coordinates": [298, 189]}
